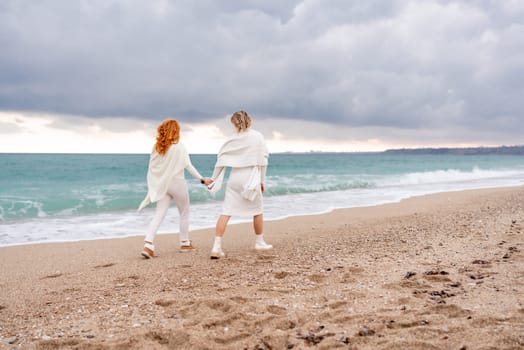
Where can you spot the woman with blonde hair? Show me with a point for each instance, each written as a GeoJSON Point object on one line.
{"type": "Point", "coordinates": [246, 153]}
{"type": "Point", "coordinates": [165, 181]}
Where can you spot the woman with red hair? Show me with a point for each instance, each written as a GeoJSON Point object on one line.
{"type": "Point", "coordinates": [166, 182]}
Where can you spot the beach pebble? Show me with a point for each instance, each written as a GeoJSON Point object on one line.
{"type": "Point", "coordinates": [436, 272]}
{"type": "Point", "coordinates": [480, 262]}
{"type": "Point", "coordinates": [409, 274]}
{"type": "Point", "coordinates": [46, 337]}
{"type": "Point", "coordinates": [10, 340]}
{"type": "Point", "coordinates": [345, 340]}
{"type": "Point", "coordinates": [365, 331]}
{"type": "Point", "coordinates": [477, 276]}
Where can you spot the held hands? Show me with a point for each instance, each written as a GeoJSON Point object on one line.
{"type": "Point", "coordinates": [206, 181]}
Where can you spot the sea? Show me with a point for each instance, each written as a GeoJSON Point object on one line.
{"type": "Point", "coordinates": [72, 197]}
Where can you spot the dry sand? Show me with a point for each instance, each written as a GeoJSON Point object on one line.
{"type": "Point", "coordinates": [444, 271]}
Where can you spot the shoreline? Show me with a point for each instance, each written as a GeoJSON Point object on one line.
{"type": "Point", "coordinates": [436, 271]}
{"type": "Point", "coordinates": [246, 221]}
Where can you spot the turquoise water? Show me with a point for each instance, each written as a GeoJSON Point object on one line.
{"type": "Point", "coordinates": [44, 197]}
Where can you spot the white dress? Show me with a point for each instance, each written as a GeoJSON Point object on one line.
{"type": "Point", "coordinates": [235, 204]}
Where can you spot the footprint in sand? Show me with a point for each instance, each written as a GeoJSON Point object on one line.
{"type": "Point", "coordinates": [218, 305]}
{"type": "Point", "coordinates": [437, 278]}
{"type": "Point", "coordinates": [164, 303]}
{"type": "Point", "coordinates": [58, 344]}
{"type": "Point", "coordinates": [238, 300]}
{"type": "Point", "coordinates": [174, 339]}
{"type": "Point", "coordinates": [124, 282]}
{"type": "Point", "coordinates": [232, 339]}
{"type": "Point", "coordinates": [263, 256]}
{"type": "Point", "coordinates": [450, 310]}
{"type": "Point", "coordinates": [356, 270]}
{"type": "Point", "coordinates": [316, 278]}
{"type": "Point", "coordinates": [280, 275]}
{"type": "Point", "coordinates": [337, 304]}
{"type": "Point", "coordinates": [277, 310]}
{"type": "Point", "coordinates": [392, 324]}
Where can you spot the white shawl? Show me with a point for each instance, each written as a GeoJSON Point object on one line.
{"type": "Point", "coordinates": [162, 170]}
{"type": "Point", "coordinates": [245, 149]}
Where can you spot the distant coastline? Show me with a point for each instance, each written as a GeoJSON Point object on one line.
{"type": "Point", "coordinates": [502, 150]}
{"type": "Point", "coordinates": [498, 150]}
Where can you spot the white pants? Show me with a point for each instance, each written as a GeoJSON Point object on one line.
{"type": "Point", "coordinates": [178, 192]}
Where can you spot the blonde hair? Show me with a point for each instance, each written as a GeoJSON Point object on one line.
{"type": "Point", "coordinates": [168, 133]}
{"type": "Point", "coordinates": [241, 120]}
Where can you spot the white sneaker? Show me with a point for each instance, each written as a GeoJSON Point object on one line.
{"type": "Point", "coordinates": [149, 251]}
{"type": "Point", "coordinates": [217, 253]}
{"type": "Point", "coordinates": [187, 247]}
{"type": "Point", "coordinates": [263, 246]}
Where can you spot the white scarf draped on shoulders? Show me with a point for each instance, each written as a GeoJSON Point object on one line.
{"type": "Point", "coordinates": [162, 170]}
{"type": "Point", "coordinates": [244, 149]}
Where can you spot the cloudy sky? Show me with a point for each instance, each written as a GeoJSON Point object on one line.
{"type": "Point", "coordinates": [331, 75]}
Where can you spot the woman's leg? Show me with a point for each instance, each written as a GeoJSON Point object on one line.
{"type": "Point", "coordinates": [221, 225]}
{"type": "Point", "coordinates": [220, 229]}
{"type": "Point", "coordinates": [180, 195]}
{"type": "Point", "coordinates": [258, 224]}
{"type": "Point", "coordinates": [161, 209]}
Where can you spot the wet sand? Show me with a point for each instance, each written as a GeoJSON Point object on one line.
{"type": "Point", "coordinates": [444, 271]}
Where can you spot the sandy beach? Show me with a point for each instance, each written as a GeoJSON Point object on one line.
{"type": "Point", "coordinates": [444, 271]}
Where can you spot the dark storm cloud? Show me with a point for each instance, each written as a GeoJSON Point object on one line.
{"type": "Point", "coordinates": [403, 64]}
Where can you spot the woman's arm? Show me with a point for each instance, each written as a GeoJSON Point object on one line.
{"type": "Point", "coordinates": [263, 170]}
{"type": "Point", "coordinates": [191, 169]}
{"type": "Point", "coordinates": [216, 172]}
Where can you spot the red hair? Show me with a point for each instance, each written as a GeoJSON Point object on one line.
{"type": "Point", "coordinates": [168, 133]}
